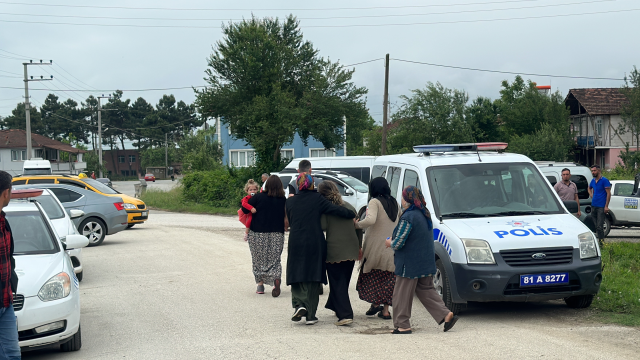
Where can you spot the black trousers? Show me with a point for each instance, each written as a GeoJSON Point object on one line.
{"type": "Point", "coordinates": [339, 275]}
{"type": "Point", "coordinates": [597, 213]}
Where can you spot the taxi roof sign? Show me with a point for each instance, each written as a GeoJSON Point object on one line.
{"type": "Point", "coordinates": [486, 146]}
{"type": "Point", "coordinates": [25, 193]}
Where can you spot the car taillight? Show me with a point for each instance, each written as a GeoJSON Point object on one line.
{"type": "Point", "coordinates": [119, 205]}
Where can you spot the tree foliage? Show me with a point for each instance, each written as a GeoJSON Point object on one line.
{"type": "Point", "coordinates": [630, 111]}
{"type": "Point", "coordinates": [268, 83]}
{"type": "Point", "coordinates": [199, 152]}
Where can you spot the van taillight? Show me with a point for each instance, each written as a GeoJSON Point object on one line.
{"type": "Point", "coordinates": [119, 205]}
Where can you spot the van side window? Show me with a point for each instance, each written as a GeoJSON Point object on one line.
{"type": "Point", "coordinates": [552, 180]}
{"type": "Point", "coordinates": [379, 171]}
{"type": "Point", "coordinates": [623, 189]}
{"type": "Point", "coordinates": [411, 178]}
{"type": "Point", "coordinates": [393, 178]}
{"type": "Point", "coordinates": [582, 184]}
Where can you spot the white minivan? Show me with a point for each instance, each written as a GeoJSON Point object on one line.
{"type": "Point", "coordinates": [501, 233]}
{"type": "Point", "coordinates": [357, 166]}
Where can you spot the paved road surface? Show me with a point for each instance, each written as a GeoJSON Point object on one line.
{"type": "Point", "coordinates": [181, 287]}
{"type": "Point", "coordinates": [128, 187]}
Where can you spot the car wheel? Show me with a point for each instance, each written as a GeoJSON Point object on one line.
{"type": "Point", "coordinates": [79, 275]}
{"type": "Point", "coordinates": [74, 344]}
{"type": "Point", "coordinates": [94, 229]}
{"type": "Point", "coordinates": [443, 287]}
{"type": "Point", "coordinates": [606, 226]}
{"type": "Point", "coordinates": [130, 226]}
{"type": "Point", "coordinates": [579, 302]}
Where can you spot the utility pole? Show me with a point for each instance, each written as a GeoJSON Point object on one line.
{"type": "Point", "coordinates": [385, 105]}
{"type": "Point", "coordinates": [27, 105]}
{"type": "Point", "coordinates": [100, 132]}
{"type": "Point", "coordinates": [166, 156]}
{"type": "Point", "coordinates": [344, 132]}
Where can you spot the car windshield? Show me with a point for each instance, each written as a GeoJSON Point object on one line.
{"type": "Point", "coordinates": [100, 186]}
{"type": "Point", "coordinates": [31, 234]}
{"type": "Point", "coordinates": [478, 190]}
{"type": "Point", "coordinates": [358, 185]}
{"type": "Point", "coordinates": [36, 172]}
{"type": "Point", "coordinates": [51, 207]}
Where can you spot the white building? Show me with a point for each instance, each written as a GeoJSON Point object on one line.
{"type": "Point", "coordinates": [13, 153]}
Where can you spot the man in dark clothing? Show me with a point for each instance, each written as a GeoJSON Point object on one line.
{"type": "Point", "coordinates": [9, 347]}
{"type": "Point", "coordinates": [307, 248]}
{"type": "Point", "coordinates": [600, 192]}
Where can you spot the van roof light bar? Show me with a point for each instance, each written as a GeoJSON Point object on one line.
{"type": "Point", "coordinates": [487, 146]}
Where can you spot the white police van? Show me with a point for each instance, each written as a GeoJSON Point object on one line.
{"type": "Point", "coordinates": [501, 233]}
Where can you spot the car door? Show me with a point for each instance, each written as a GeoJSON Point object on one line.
{"type": "Point", "coordinates": [623, 206]}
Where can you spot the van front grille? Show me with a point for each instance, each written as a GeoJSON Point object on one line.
{"type": "Point", "coordinates": [524, 257]}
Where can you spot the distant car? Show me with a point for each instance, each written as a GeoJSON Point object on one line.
{"type": "Point", "coordinates": [150, 177]}
{"type": "Point", "coordinates": [47, 301]}
{"type": "Point", "coordinates": [103, 215]}
{"type": "Point", "coordinates": [62, 223]}
{"type": "Point", "coordinates": [105, 181]}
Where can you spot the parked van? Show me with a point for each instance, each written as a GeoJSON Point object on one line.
{"type": "Point", "coordinates": [36, 166]}
{"type": "Point", "coordinates": [501, 233]}
{"type": "Point", "coordinates": [357, 166]}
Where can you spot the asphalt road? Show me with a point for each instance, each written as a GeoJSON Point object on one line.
{"type": "Point", "coordinates": [128, 187]}
{"type": "Point", "coordinates": [180, 287]}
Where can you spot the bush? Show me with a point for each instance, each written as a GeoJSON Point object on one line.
{"type": "Point", "coordinates": [221, 187]}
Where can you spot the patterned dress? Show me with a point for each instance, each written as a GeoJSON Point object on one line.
{"type": "Point", "coordinates": [266, 251]}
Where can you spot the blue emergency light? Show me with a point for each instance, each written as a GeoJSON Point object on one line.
{"type": "Point", "coordinates": [487, 146]}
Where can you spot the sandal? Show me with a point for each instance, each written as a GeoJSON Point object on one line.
{"type": "Point", "coordinates": [397, 331]}
{"type": "Point", "coordinates": [260, 289]}
{"type": "Point", "coordinates": [373, 310]}
{"type": "Point", "coordinates": [382, 316]}
{"type": "Point", "coordinates": [276, 289]}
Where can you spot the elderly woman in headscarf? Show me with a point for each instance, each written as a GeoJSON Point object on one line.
{"type": "Point", "coordinates": [376, 279]}
{"type": "Point", "coordinates": [307, 248]}
{"type": "Point", "coordinates": [415, 264]}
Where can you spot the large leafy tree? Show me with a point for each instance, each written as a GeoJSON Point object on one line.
{"type": "Point", "coordinates": [631, 111]}
{"type": "Point", "coordinates": [482, 115]}
{"type": "Point", "coordinates": [268, 83]}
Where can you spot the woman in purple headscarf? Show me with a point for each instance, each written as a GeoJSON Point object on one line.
{"type": "Point", "coordinates": [415, 264]}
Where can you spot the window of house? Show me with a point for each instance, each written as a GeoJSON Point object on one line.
{"type": "Point", "coordinates": [286, 153]}
{"type": "Point", "coordinates": [599, 125]}
{"type": "Point", "coordinates": [132, 158]}
{"type": "Point", "coordinates": [322, 152]}
{"type": "Point", "coordinates": [18, 155]}
{"type": "Point", "coordinates": [51, 154]}
{"type": "Point", "coordinates": [121, 159]}
{"type": "Point", "coordinates": [39, 153]}
{"type": "Point", "coordinates": [242, 158]}
{"type": "Point", "coordinates": [133, 173]}
{"type": "Point", "coordinates": [124, 172]}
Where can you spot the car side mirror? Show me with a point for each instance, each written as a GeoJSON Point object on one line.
{"type": "Point", "coordinates": [348, 192]}
{"type": "Point", "coordinates": [571, 205]}
{"type": "Point", "coordinates": [75, 213]}
{"type": "Point", "coordinates": [75, 242]}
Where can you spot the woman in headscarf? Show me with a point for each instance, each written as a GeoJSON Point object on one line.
{"type": "Point", "coordinates": [415, 264]}
{"type": "Point", "coordinates": [307, 248]}
{"type": "Point", "coordinates": [376, 279]}
{"type": "Point", "coordinates": [343, 248]}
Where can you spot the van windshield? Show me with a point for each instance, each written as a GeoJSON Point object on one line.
{"type": "Point", "coordinates": [36, 172]}
{"type": "Point", "coordinates": [487, 190]}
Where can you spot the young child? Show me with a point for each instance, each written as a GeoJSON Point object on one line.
{"type": "Point", "coordinates": [251, 188]}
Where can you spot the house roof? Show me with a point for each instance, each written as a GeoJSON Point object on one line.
{"type": "Point", "coordinates": [596, 101]}
{"type": "Point", "coordinates": [16, 138]}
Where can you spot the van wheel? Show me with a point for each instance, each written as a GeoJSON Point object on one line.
{"type": "Point", "coordinates": [607, 226]}
{"type": "Point", "coordinates": [579, 302]}
{"type": "Point", "coordinates": [94, 229]}
{"type": "Point", "coordinates": [443, 287]}
{"type": "Point", "coordinates": [74, 344]}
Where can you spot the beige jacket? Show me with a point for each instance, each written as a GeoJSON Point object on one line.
{"type": "Point", "coordinates": [379, 227]}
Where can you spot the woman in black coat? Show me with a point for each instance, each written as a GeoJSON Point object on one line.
{"type": "Point", "coordinates": [307, 249]}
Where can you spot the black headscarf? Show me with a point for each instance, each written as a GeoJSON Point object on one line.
{"type": "Point", "coordinates": [379, 189]}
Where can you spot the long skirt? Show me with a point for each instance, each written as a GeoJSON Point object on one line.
{"type": "Point", "coordinates": [266, 251]}
{"type": "Point", "coordinates": [339, 275]}
{"type": "Point", "coordinates": [376, 286]}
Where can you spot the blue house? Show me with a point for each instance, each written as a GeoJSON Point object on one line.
{"type": "Point", "coordinates": [239, 154]}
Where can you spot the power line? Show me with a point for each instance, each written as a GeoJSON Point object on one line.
{"type": "Point", "coordinates": [507, 72]}
{"type": "Point", "coordinates": [9, 72]}
{"type": "Point", "coordinates": [332, 26]}
{"type": "Point", "coordinates": [364, 62]}
{"type": "Point", "coordinates": [123, 90]}
{"type": "Point", "coordinates": [311, 18]}
{"type": "Point", "coordinates": [271, 9]}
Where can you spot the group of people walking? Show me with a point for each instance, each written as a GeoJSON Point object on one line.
{"type": "Point", "coordinates": [396, 254]}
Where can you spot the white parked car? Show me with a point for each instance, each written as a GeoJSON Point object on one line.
{"type": "Point", "coordinates": [63, 225]}
{"type": "Point", "coordinates": [623, 207]}
{"type": "Point", "coordinates": [47, 303]}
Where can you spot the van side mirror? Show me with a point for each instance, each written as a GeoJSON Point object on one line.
{"type": "Point", "coordinates": [571, 205]}
{"type": "Point", "coordinates": [348, 192]}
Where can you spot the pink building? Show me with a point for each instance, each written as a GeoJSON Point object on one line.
{"type": "Point", "coordinates": [595, 120]}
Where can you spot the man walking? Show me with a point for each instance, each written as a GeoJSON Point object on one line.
{"type": "Point", "coordinates": [567, 189]}
{"type": "Point", "coordinates": [600, 192]}
{"type": "Point", "coordinates": [265, 176]}
{"type": "Point", "coordinates": [9, 347]}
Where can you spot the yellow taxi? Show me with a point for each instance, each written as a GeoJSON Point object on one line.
{"type": "Point", "coordinates": [136, 209]}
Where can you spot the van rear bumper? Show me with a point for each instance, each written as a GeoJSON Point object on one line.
{"type": "Point", "coordinates": [501, 282]}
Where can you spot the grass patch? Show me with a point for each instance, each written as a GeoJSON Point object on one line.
{"type": "Point", "coordinates": [619, 298]}
{"type": "Point", "coordinates": [173, 201]}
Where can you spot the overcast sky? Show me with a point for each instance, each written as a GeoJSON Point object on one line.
{"type": "Point", "coordinates": [602, 43]}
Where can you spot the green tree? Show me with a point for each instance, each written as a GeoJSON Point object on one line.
{"type": "Point", "coordinates": [199, 152]}
{"type": "Point", "coordinates": [482, 115]}
{"type": "Point", "coordinates": [546, 144]}
{"type": "Point", "coordinates": [630, 111]}
{"type": "Point", "coordinates": [18, 120]}
{"type": "Point", "coordinates": [268, 83]}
